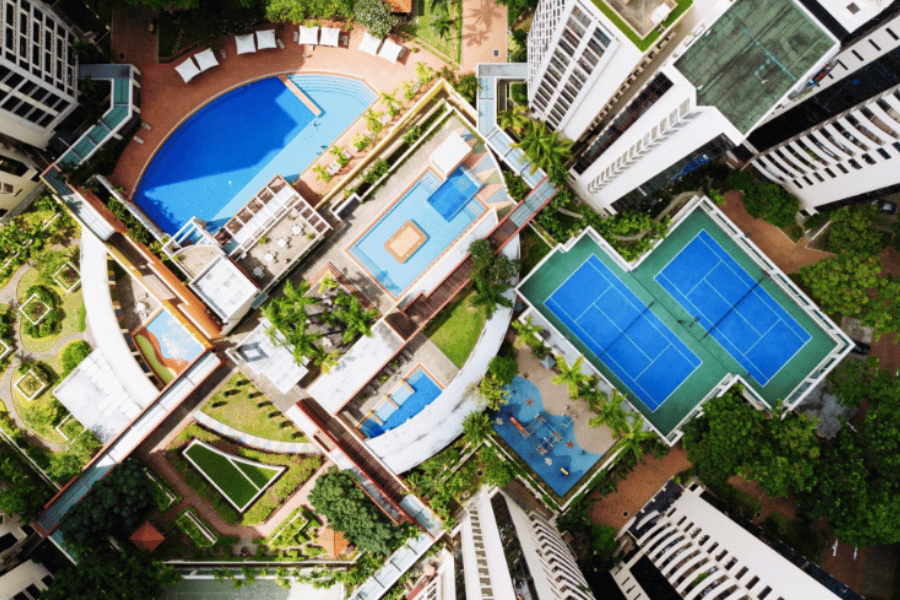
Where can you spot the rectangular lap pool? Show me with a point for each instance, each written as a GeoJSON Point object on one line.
{"type": "Point", "coordinates": [424, 222]}
{"type": "Point", "coordinates": [412, 395]}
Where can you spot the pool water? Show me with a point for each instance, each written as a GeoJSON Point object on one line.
{"type": "Point", "coordinates": [410, 403]}
{"type": "Point", "coordinates": [454, 193]}
{"type": "Point", "coordinates": [174, 340]}
{"type": "Point", "coordinates": [229, 149]}
{"type": "Point", "coordinates": [416, 205]}
{"type": "Point", "coordinates": [575, 460]}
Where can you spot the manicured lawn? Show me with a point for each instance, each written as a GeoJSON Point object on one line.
{"type": "Point", "coordinates": [162, 371]}
{"type": "Point", "coordinates": [456, 329]}
{"type": "Point", "coordinates": [424, 30]}
{"type": "Point", "coordinates": [226, 473]}
{"type": "Point", "coordinates": [534, 248]}
{"type": "Point", "coordinates": [71, 305]}
{"type": "Point", "coordinates": [42, 429]}
{"type": "Point", "coordinates": [242, 406]}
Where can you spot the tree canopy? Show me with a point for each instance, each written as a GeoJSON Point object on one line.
{"type": "Point", "coordinates": [108, 575]}
{"type": "Point", "coordinates": [337, 496]}
{"type": "Point", "coordinates": [115, 506]}
{"type": "Point", "coordinates": [771, 202]}
{"type": "Point", "coordinates": [21, 493]}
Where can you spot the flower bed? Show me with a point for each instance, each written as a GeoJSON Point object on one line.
{"type": "Point", "coordinates": [67, 277]}
{"type": "Point", "coordinates": [32, 384]}
{"type": "Point", "coordinates": [34, 309]}
{"type": "Point", "coordinates": [196, 529]}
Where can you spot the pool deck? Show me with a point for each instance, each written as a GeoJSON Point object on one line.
{"type": "Point", "coordinates": [166, 101]}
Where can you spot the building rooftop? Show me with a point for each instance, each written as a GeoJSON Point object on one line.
{"type": "Point", "coordinates": [752, 56]}
{"type": "Point", "coordinates": [276, 363]}
{"type": "Point", "coordinates": [224, 287]}
{"type": "Point", "coordinates": [641, 21]}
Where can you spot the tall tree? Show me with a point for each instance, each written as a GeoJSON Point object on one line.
{"type": "Point", "coordinates": [611, 414]}
{"type": "Point", "coordinates": [543, 147]}
{"type": "Point", "coordinates": [528, 332]}
{"type": "Point", "coordinates": [515, 119]}
{"type": "Point", "coordinates": [771, 202]}
{"type": "Point", "coordinates": [477, 427]}
{"type": "Point", "coordinates": [855, 231]}
{"type": "Point", "coordinates": [108, 575]}
{"type": "Point", "coordinates": [571, 375]}
{"type": "Point", "coordinates": [634, 436]}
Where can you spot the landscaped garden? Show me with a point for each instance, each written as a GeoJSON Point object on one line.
{"type": "Point", "coordinates": [299, 469]}
{"type": "Point", "coordinates": [438, 24]}
{"type": "Point", "coordinates": [238, 479]}
{"type": "Point", "coordinates": [456, 328]}
{"type": "Point", "coordinates": [239, 404]}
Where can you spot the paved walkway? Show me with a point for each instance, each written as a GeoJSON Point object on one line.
{"type": "Point", "coordinates": [484, 32]}
{"type": "Point", "coordinates": [616, 509]}
{"type": "Point", "coordinates": [254, 441]}
{"type": "Point", "coordinates": [789, 256]}
{"type": "Point", "coordinates": [132, 41]}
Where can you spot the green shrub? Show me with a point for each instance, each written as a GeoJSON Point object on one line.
{"type": "Point", "coordinates": [72, 355]}
{"type": "Point", "coordinates": [739, 180]}
{"type": "Point", "coordinates": [503, 368]}
{"type": "Point", "coordinates": [772, 203]}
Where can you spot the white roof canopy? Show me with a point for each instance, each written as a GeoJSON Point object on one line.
{"type": "Point", "coordinates": [276, 363]}
{"type": "Point", "coordinates": [188, 70]}
{"type": "Point", "coordinates": [206, 60]}
{"type": "Point", "coordinates": [265, 39]}
{"type": "Point", "coordinates": [225, 287]}
{"type": "Point", "coordinates": [331, 36]}
{"type": "Point", "coordinates": [449, 154]}
{"type": "Point", "coordinates": [245, 44]}
{"type": "Point", "coordinates": [308, 35]}
{"type": "Point", "coordinates": [390, 50]}
{"type": "Point", "coordinates": [370, 44]}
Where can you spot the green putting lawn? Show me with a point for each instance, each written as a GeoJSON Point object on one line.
{"type": "Point", "coordinates": [238, 479]}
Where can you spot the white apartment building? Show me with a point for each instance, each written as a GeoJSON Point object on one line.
{"type": "Point", "coordinates": [38, 89]}
{"type": "Point", "coordinates": [717, 85]}
{"type": "Point", "coordinates": [505, 553]}
{"type": "Point", "coordinates": [683, 539]}
{"type": "Point", "coordinates": [840, 141]}
{"type": "Point", "coordinates": [26, 582]}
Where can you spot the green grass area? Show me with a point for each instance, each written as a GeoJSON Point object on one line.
{"type": "Point", "coordinates": [631, 34]}
{"type": "Point", "coordinates": [300, 468]}
{"type": "Point", "coordinates": [226, 473]}
{"type": "Point", "coordinates": [241, 405]}
{"type": "Point", "coordinates": [534, 248]}
{"type": "Point", "coordinates": [71, 305]}
{"type": "Point", "coordinates": [188, 526]}
{"type": "Point", "coordinates": [424, 30]}
{"type": "Point", "coordinates": [456, 329]}
{"type": "Point", "coordinates": [29, 411]}
{"type": "Point", "coordinates": [162, 371]}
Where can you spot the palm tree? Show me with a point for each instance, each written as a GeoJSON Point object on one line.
{"type": "Point", "coordinates": [477, 427]}
{"type": "Point", "coordinates": [571, 375]}
{"type": "Point", "coordinates": [528, 332]}
{"type": "Point", "coordinates": [297, 298]}
{"type": "Point", "coordinates": [305, 346]}
{"type": "Point", "coordinates": [327, 360]}
{"type": "Point", "coordinates": [490, 296]}
{"type": "Point", "coordinates": [443, 25]}
{"type": "Point", "coordinates": [424, 73]}
{"type": "Point", "coordinates": [611, 414]}
{"type": "Point", "coordinates": [634, 435]}
{"type": "Point", "coordinates": [322, 173]}
{"type": "Point", "coordinates": [327, 283]}
{"type": "Point", "coordinates": [515, 119]}
{"type": "Point", "coordinates": [409, 90]}
{"type": "Point", "coordinates": [595, 399]}
{"type": "Point", "coordinates": [390, 99]}
{"type": "Point", "coordinates": [544, 148]}
{"type": "Point", "coordinates": [357, 319]}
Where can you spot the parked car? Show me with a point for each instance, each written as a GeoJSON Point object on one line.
{"type": "Point", "coordinates": [861, 348]}
{"type": "Point", "coordinates": [885, 206]}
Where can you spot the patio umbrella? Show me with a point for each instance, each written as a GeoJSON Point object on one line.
{"type": "Point", "coordinates": [188, 70]}
{"type": "Point", "coordinates": [265, 39]}
{"type": "Point", "coordinates": [308, 35]}
{"type": "Point", "coordinates": [245, 44]}
{"type": "Point", "coordinates": [390, 51]}
{"type": "Point", "coordinates": [206, 60]}
{"type": "Point", "coordinates": [331, 36]}
{"type": "Point", "coordinates": [370, 44]}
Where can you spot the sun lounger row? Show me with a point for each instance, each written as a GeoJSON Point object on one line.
{"type": "Point", "coordinates": [381, 48]}
{"type": "Point", "coordinates": [205, 60]}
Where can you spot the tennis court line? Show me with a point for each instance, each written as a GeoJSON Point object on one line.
{"type": "Point", "coordinates": [584, 336]}
{"type": "Point", "coordinates": [756, 290]}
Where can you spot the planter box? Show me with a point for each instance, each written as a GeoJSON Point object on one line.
{"type": "Point", "coordinates": [33, 301]}
{"type": "Point", "coordinates": [5, 350]}
{"type": "Point", "coordinates": [32, 384]}
{"type": "Point", "coordinates": [67, 277]}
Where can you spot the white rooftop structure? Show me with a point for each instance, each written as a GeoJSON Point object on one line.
{"type": "Point", "coordinates": [206, 60]}
{"type": "Point", "coordinates": [245, 43]}
{"type": "Point", "coordinates": [450, 154]}
{"type": "Point", "coordinates": [390, 50]}
{"type": "Point", "coordinates": [362, 362]}
{"type": "Point", "coordinates": [853, 15]}
{"type": "Point", "coordinates": [265, 39]}
{"type": "Point", "coordinates": [188, 70]}
{"type": "Point", "coordinates": [370, 44]}
{"type": "Point", "coordinates": [275, 363]}
{"type": "Point", "coordinates": [225, 288]}
{"type": "Point", "coordinates": [29, 574]}
{"type": "Point", "coordinates": [96, 397]}
{"type": "Point", "coordinates": [308, 35]}
{"type": "Point", "coordinates": [331, 36]}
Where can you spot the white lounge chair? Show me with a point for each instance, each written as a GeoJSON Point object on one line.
{"type": "Point", "coordinates": [370, 44]}
{"type": "Point", "coordinates": [245, 44]}
{"type": "Point", "coordinates": [265, 40]}
{"type": "Point", "coordinates": [188, 69]}
{"type": "Point", "coordinates": [330, 36]}
{"type": "Point", "coordinates": [206, 60]}
{"type": "Point", "coordinates": [309, 35]}
{"type": "Point", "coordinates": [390, 50]}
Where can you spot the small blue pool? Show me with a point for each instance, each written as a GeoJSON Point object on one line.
{"type": "Point", "coordinates": [410, 402]}
{"type": "Point", "coordinates": [175, 342]}
{"type": "Point", "coordinates": [224, 153]}
{"type": "Point", "coordinates": [456, 201]}
{"type": "Point", "coordinates": [564, 462]}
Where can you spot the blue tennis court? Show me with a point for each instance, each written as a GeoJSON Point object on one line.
{"type": "Point", "coordinates": [733, 307]}
{"type": "Point", "coordinates": [622, 332]}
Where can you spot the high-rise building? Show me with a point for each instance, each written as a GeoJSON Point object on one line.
{"type": "Point", "coordinates": [717, 85]}
{"type": "Point", "coordinates": [38, 89]}
{"type": "Point", "coordinates": [840, 140]}
{"type": "Point", "coordinates": [682, 544]}
{"type": "Point", "coordinates": [504, 552]}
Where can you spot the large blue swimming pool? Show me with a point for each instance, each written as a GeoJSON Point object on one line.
{"type": "Point", "coordinates": [410, 402]}
{"type": "Point", "coordinates": [442, 219]}
{"type": "Point", "coordinates": [214, 162]}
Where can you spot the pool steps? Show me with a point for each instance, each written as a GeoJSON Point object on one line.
{"type": "Point", "coordinates": [302, 96]}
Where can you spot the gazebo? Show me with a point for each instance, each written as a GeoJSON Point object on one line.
{"type": "Point", "coordinates": [147, 537]}
{"type": "Point", "coordinates": [333, 541]}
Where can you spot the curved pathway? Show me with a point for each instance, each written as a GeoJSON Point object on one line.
{"type": "Point", "coordinates": [252, 440]}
